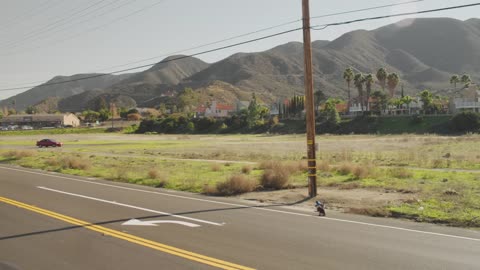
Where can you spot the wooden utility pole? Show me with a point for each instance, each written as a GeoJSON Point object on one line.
{"type": "Point", "coordinates": [309, 103]}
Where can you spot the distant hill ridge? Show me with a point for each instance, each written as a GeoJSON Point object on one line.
{"type": "Point", "coordinates": [425, 52]}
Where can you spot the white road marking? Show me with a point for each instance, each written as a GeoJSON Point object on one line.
{"type": "Point", "coordinates": [247, 206]}
{"type": "Point", "coordinates": [136, 222]}
{"type": "Point", "coordinates": [131, 206]}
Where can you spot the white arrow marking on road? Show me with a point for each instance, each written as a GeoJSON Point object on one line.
{"type": "Point", "coordinates": [136, 222]}
{"type": "Point", "coordinates": [132, 206]}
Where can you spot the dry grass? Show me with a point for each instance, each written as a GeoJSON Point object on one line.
{"type": "Point", "coordinates": [216, 167]}
{"type": "Point", "coordinates": [236, 184]}
{"type": "Point", "coordinates": [323, 166]}
{"type": "Point", "coordinates": [19, 154]}
{"type": "Point", "coordinates": [247, 169]}
{"type": "Point", "coordinates": [348, 186]}
{"type": "Point", "coordinates": [346, 168]}
{"type": "Point", "coordinates": [400, 173]}
{"type": "Point", "coordinates": [370, 211]}
{"type": "Point", "coordinates": [156, 174]}
{"type": "Point", "coordinates": [75, 163]}
{"type": "Point", "coordinates": [275, 179]}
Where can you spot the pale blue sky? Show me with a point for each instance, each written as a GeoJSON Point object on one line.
{"type": "Point", "coordinates": [43, 38]}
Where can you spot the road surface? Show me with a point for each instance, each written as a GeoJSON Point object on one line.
{"type": "Point", "coordinates": [52, 221]}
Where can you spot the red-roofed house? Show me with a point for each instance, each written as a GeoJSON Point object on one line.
{"type": "Point", "coordinates": [215, 110]}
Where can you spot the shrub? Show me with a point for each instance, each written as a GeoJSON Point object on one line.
{"type": "Point", "coordinates": [134, 117]}
{"type": "Point", "coordinates": [246, 169]}
{"type": "Point", "coordinates": [19, 154]}
{"type": "Point", "coordinates": [75, 163]}
{"type": "Point", "coordinates": [400, 173]}
{"type": "Point", "coordinates": [216, 167]}
{"type": "Point", "coordinates": [156, 174]}
{"type": "Point", "coordinates": [323, 166]}
{"type": "Point", "coordinates": [236, 184]}
{"type": "Point", "coordinates": [346, 169]}
{"type": "Point", "coordinates": [466, 122]}
{"type": "Point", "coordinates": [275, 178]}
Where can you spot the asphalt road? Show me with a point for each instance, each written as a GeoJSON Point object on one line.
{"type": "Point", "coordinates": [52, 221]}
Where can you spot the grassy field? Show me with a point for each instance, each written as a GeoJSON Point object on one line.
{"type": "Point", "coordinates": [440, 173]}
{"type": "Point", "coordinates": [54, 131]}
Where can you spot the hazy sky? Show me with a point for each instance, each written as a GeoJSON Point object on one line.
{"type": "Point", "coordinates": [40, 39]}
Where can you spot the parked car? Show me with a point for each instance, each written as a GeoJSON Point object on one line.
{"type": "Point", "coordinates": [48, 142]}
{"type": "Point", "coordinates": [27, 127]}
{"type": "Point", "coordinates": [3, 128]}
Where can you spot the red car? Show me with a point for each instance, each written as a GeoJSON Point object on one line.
{"type": "Point", "coordinates": [48, 142]}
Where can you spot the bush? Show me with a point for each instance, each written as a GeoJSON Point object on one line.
{"type": "Point", "coordinates": [277, 178]}
{"type": "Point", "coordinates": [346, 169]}
{"type": "Point", "coordinates": [157, 175]}
{"type": "Point", "coordinates": [75, 163]}
{"type": "Point", "coordinates": [216, 167]}
{"type": "Point", "coordinates": [19, 154]}
{"type": "Point", "coordinates": [400, 173]}
{"type": "Point", "coordinates": [235, 185]}
{"type": "Point", "coordinates": [246, 169]}
{"type": "Point", "coordinates": [465, 122]}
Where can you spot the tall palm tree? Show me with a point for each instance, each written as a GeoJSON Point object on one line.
{"type": "Point", "coordinates": [358, 81]}
{"type": "Point", "coordinates": [369, 81]}
{"type": "Point", "coordinates": [392, 82]}
{"type": "Point", "coordinates": [382, 77]}
{"type": "Point", "coordinates": [348, 77]}
{"type": "Point", "coordinates": [454, 80]}
{"type": "Point", "coordinates": [466, 80]}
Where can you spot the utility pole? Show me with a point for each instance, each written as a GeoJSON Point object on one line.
{"type": "Point", "coordinates": [309, 104]}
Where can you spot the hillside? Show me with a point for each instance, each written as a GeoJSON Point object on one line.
{"type": "Point", "coordinates": [40, 93]}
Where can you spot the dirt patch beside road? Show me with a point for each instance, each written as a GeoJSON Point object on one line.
{"type": "Point", "coordinates": [358, 201]}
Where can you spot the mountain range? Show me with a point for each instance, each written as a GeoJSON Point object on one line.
{"type": "Point", "coordinates": [425, 53]}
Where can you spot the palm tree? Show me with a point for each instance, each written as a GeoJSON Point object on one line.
{"type": "Point", "coordinates": [392, 81]}
{"type": "Point", "coordinates": [407, 100]}
{"type": "Point", "coordinates": [454, 80]}
{"type": "Point", "coordinates": [358, 81]}
{"type": "Point", "coordinates": [348, 77]}
{"type": "Point", "coordinates": [369, 81]}
{"type": "Point", "coordinates": [466, 80]}
{"type": "Point", "coordinates": [382, 77]}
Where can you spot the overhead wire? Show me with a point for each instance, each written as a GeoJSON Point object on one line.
{"type": "Point", "coordinates": [59, 25]}
{"type": "Point", "coordinates": [29, 14]}
{"type": "Point", "coordinates": [316, 27]}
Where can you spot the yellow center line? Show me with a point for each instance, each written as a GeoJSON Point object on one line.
{"type": "Point", "coordinates": [131, 238]}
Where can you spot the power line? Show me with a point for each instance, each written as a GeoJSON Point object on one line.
{"type": "Point", "coordinates": [161, 62]}
{"type": "Point", "coordinates": [40, 33]}
{"type": "Point", "coordinates": [245, 42]}
{"type": "Point", "coordinates": [365, 9]}
{"type": "Point", "coordinates": [145, 8]}
{"type": "Point", "coordinates": [228, 39]}
{"type": "Point", "coordinates": [324, 26]}
{"type": "Point", "coordinates": [29, 14]}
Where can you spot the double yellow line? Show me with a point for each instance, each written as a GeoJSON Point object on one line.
{"type": "Point", "coordinates": [130, 238]}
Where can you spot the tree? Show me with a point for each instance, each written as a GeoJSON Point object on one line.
{"type": "Point", "coordinates": [319, 97]}
{"type": "Point", "coordinates": [113, 110]}
{"type": "Point", "coordinates": [369, 81]}
{"type": "Point", "coordinates": [382, 77]}
{"type": "Point", "coordinates": [331, 112]}
{"type": "Point", "coordinates": [380, 101]}
{"type": "Point", "coordinates": [5, 111]}
{"type": "Point", "coordinates": [358, 81]}
{"type": "Point", "coordinates": [187, 99]}
{"type": "Point", "coordinates": [466, 80]}
{"type": "Point", "coordinates": [348, 76]}
{"type": "Point", "coordinates": [407, 100]}
{"type": "Point", "coordinates": [392, 82]}
{"type": "Point", "coordinates": [31, 110]}
{"type": "Point", "coordinates": [454, 80]}
{"type": "Point", "coordinates": [104, 115]}
{"type": "Point", "coordinates": [100, 104]}
{"type": "Point", "coordinates": [1, 115]}
{"type": "Point", "coordinates": [427, 98]}
{"type": "Point", "coordinates": [90, 116]}
{"type": "Point", "coordinates": [134, 117]}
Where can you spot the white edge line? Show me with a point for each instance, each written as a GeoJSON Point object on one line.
{"type": "Point", "coordinates": [130, 206]}
{"type": "Point", "coordinates": [246, 206]}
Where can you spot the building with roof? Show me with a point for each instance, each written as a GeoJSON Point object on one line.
{"type": "Point", "coordinates": [215, 110]}
{"type": "Point", "coordinates": [41, 120]}
{"type": "Point", "coordinates": [467, 100]}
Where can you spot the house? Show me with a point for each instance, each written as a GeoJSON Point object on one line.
{"type": "Point", "coordinates": [467, 100]}
{"type": "Point", "coordinates": [42, 120]}
{"type": "Point", "coordinates": [215, 110]}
